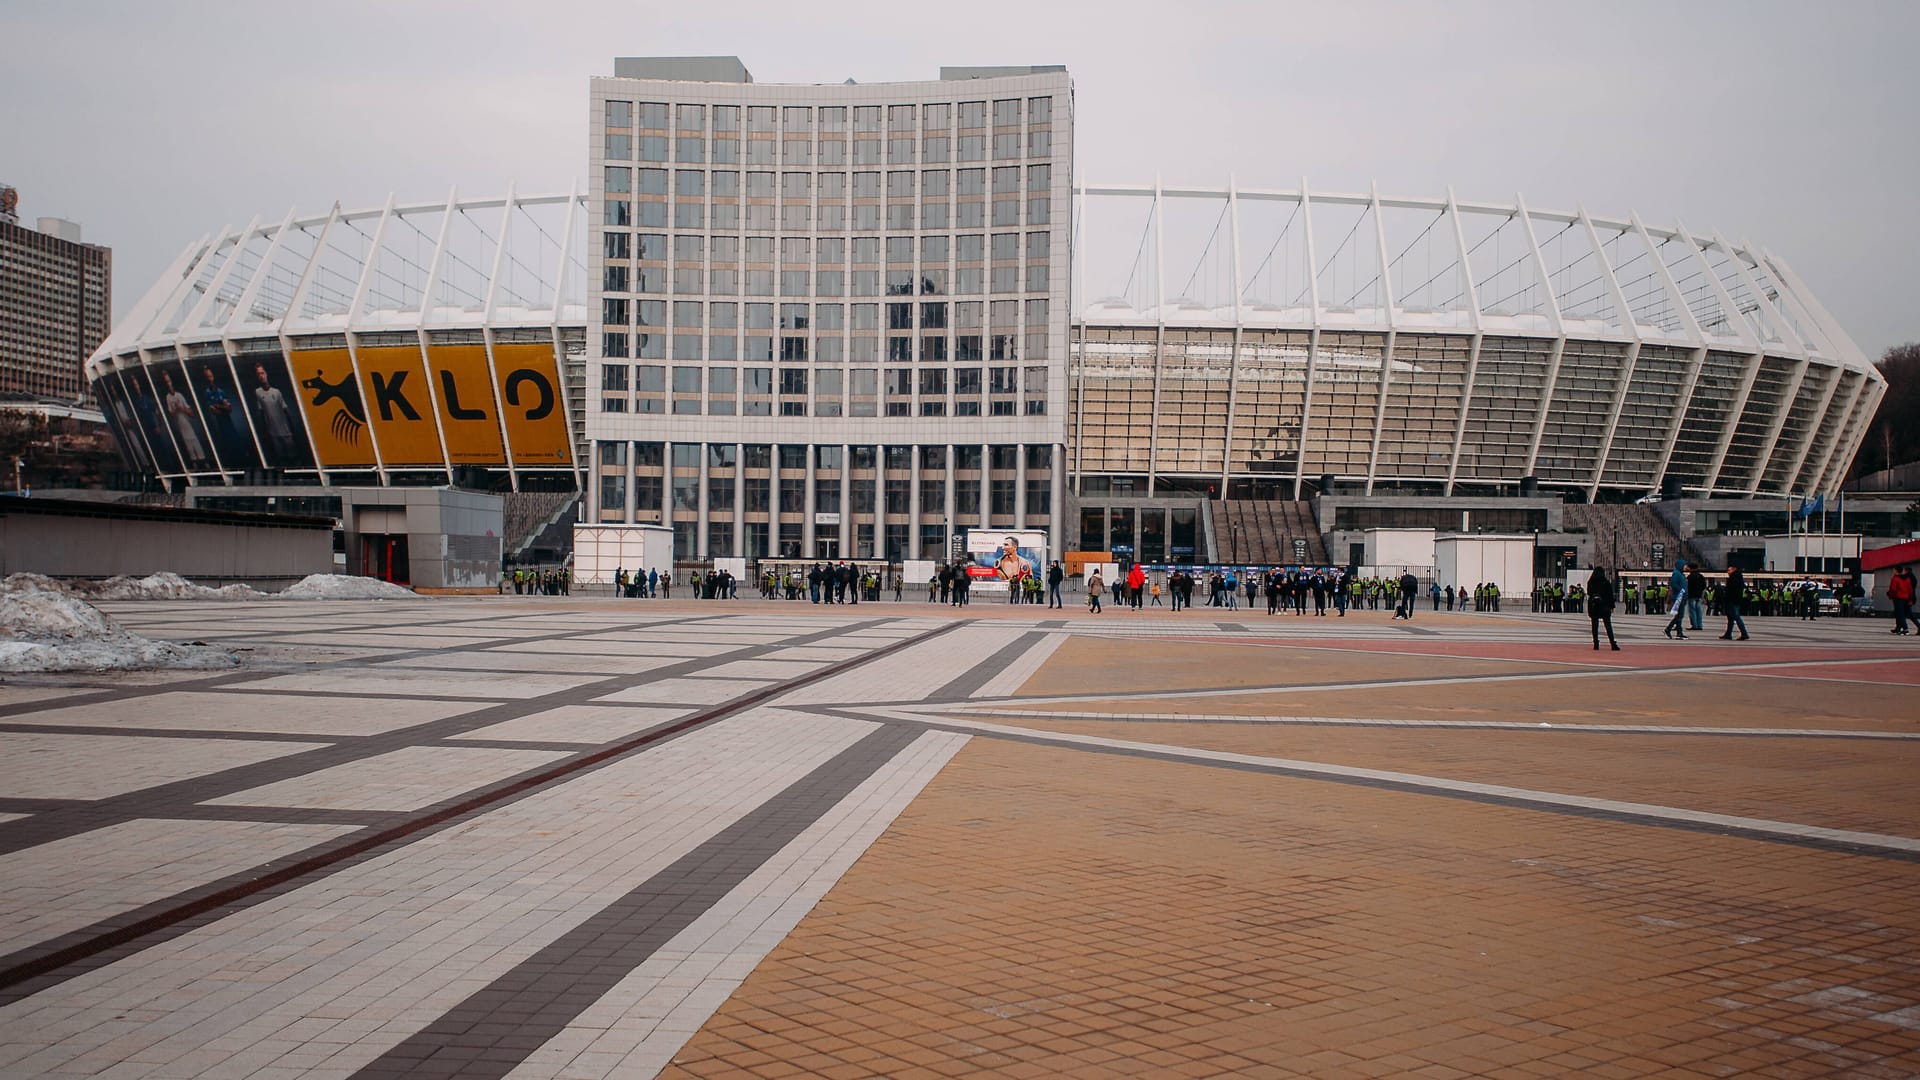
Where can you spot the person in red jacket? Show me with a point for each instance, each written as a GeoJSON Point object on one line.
{"type": "Point", "coordinates": [1900, 591]}
{"type": "Point", "coordinates": [1136, 583]}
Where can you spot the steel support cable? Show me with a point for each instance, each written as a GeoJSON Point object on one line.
{"type": "Point", "coordinates": [1357, 222]}
{"type": "Point", "coordinates": [1145, 231]}
{"type": "Point", "coordinates": [1201, 261]}
{"type": "Point", "coordinates": [1276, 247]}
{"type": "Point", "coordinates": [1396, 259]}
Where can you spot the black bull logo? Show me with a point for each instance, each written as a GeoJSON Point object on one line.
{"type": "Point", "coordinates": [390, 397]}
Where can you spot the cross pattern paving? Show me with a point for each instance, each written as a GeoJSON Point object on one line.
{"type": "Point", "coordinates": [543, 838]}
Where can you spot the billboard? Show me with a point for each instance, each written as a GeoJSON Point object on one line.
{"type": "Point", "coordinates": [996, 558]}
{"type": "Point", "coordinates": [269, 398]}
{"type": "Point", "coordinates": [530, 397]}
{"type": "Point", "coordinates": [466, 404]}
{"type": "Point", "coordinates": [226, 418]}
{"type": "Point", "coordinates": [394, 384]}
{"type": "Point", "coordinates": [330, 397]}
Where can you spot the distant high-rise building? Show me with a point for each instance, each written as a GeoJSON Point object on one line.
{"type": "Point", "coordinates": [56, 305]}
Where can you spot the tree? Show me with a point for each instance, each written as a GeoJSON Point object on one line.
{"type": "Point", "coordinates": [1893, 438]}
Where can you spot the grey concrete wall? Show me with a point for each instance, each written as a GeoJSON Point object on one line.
{"type": "Point", "coordinates": [210, 554]}
{"type": "Point", "coordinates": [453, 537]}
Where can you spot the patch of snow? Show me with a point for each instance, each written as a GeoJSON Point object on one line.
{"type": "Point", "coordinates": [49, 630]}
{"type": "Point", "coordinates": [345, 587]}
{"type": "Point", "coordinates": [161, 586]}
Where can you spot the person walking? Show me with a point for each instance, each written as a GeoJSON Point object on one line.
{"type": "Point", "coordinates": [1732, 595]}
{"type": "Point", "coordinates": [1136, 584]}
{"type": "Point", "coordinates": [1600, 594]}
{"type": "Point", "coordinates": [1696, 597]}
{"type": "Point", "coordinates": [1900, 591]}
{"type": "Point", "coordinates": [1055, 576]}
{"type": "Point", "coordinates": [1678, 584]}
{"type": "Point", "coordinates": [1095, 586]}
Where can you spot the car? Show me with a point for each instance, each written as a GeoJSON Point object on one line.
{"type": "Point", "coordinates": [1829, 603]}
{"type": "Point", "coordinates": [1648, 499]}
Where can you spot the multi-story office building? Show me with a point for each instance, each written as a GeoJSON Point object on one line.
{"type": "Point", "coordinates": [828, 321]}
{"type": "Point", "coordinates": [56, 306]}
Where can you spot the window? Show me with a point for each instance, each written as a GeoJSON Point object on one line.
{"type": "Point", "coordinates": [614, 278]}
{"type": "Point", "coordinates": [619, 146]}
{"type": "Point", "coordinates": [613, 343]}
{"type": "Point", "coordinates": [760, 118]}
{"type": "Point", "coordinates": [973, 114]}
{"type": "Point", "coordinates": [653, 115]}
{"type": "Point", "coordinates": [619, 114]}
{"type": "Point", "coordinates": [652, 147]}
{"type": "Point", "coordinates": [618, 212]}
{"type": "Point", "coordinates": [933, 382]}
{"type": "Point", "coordinates": [617, 245]}
{"type": "Point", "coordinates": [649, 378]}
{"type": "Point", "coordinates": [687, 183]}
{"type": "Point", "coordinates": [936, 149]}
{"type": "Point", "coordinates": [967, 381]}
{"type": "Point", "coordinates": [793, 381]}
{"type": "Point", "coordinates": [1006, 146]}
{"type": "Point", "coordinates": [613, 377]}
{"type": "Point", "coordinates": [686, 380]}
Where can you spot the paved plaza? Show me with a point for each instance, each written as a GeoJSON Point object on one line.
{"type": "Point", "coordinates": [585, 838]}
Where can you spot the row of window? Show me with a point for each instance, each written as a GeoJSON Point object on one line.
{"type": "Point", "coordinates": [826, 456]}
{"type": "Point", "coordinates": [729, 281]}
{"type": "Point", "coordinates": [967, 348]}
{"type": "Point", "coordinates": [898, 382]}
{"type": "Point", "coordinates": [766, 119]}
{"type": "Point", "coordinates": [725, 315]}
{"type": "Point", "coordinates": [835, 216]}
{"type": "Point", "coordinates": [799, 186]}
{"type": "Point", "coordinates": [829, 153]}
{"type": "Point", "coordinates": [825, 251]}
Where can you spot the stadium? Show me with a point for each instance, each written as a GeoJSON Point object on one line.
{"type": "Point", "coordinates": [1121, 376]}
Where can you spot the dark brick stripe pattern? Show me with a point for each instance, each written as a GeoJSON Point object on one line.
{"type": "Point", "coordinates": [30, 970]}
{"type": "Point", "coordinates": [493, 1031]}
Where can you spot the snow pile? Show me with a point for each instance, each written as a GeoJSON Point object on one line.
{"type": "Point", "coordinates": [161, 586]}
{"type": "Point", "coordinates": [48, 630]}
{"type": "Point", "coordinates": [343, 587]}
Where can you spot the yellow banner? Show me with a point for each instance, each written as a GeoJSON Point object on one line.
{"type": "Point", "coordinates": [335, 413]}
{"type": "Point", "coordinates": [399, 405]}
{"type": "Point", "coordinates": [466, 404]}
{"type": "Point", "coordinates": [530, 400]}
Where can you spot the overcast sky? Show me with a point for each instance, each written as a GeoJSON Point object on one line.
{"type": "Point", "coordinates": [1789, 124]}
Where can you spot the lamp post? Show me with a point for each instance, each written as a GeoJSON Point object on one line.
{"type": "Point", "coordinates": [17, 488]}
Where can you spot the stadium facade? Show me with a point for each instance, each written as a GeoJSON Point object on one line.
{"type": "Point", "coordinates": [840, 320]}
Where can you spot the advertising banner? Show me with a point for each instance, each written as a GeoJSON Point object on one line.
{"type": "Point", "coordinates": [220, 406]}
{"type": "Point", "coordinates": [269, 395]}
{"type": "Point", "coordinates": [153, 422]}
{"type": "Point", "coordinates": [465, 396]}
{"type": "Point", "coordinates": [530, 401]}
{"type": "Point", "coordinates": [996, 558]}
{"type": "Point", "coordinates": [394, 388]}
{"type": "Point", "coordinates": [118, 409]}
{"type": "Point", "coordinates": [182, 416]}
{"type": "Point", "coordinates": [330, 397]}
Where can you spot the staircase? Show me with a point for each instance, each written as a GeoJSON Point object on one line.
{"type": "Point", "coordinates": [1266, 531]}
{"type": "Point", "coordinates": [1630, 531]}
{"type": "Point", "coordinates": [539, 525]}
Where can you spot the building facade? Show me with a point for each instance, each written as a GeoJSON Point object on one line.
{"type": "Point", "coordinates": [828, 321]}
{"type": "Point", "coordinates": [845, 321]}
{"type": "Point", "coordinates": [56, 307]}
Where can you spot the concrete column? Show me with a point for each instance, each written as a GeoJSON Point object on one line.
{"type": "Point", "coordinates": [773, 501]}
{"type": "Point", "coordinates": [700, 530]}
{"type": "Point", "coordinates": [806, 524]}
{"type": "Point", "coordinates": [1056, 515]}
{"type": "Point", "coordinates": [633, 478]}
{"type": "Point", "coordinates": [1020, 486]}
{"type": "Point", "coordinates": [986, 485]}
{"type": "Point", "coordinates": [846, 501]}
{"type": "Point", "coordinates": [952, 475]}
{"type": "Point", "coordinates": [740, 500]}
{"type": "Point", "coordinates": [666, 489]}
{"type": "Point", "coordinates": [913, 503]}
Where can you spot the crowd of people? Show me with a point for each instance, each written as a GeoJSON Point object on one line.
{"type": "Point", "coordinates": [534, 581]}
